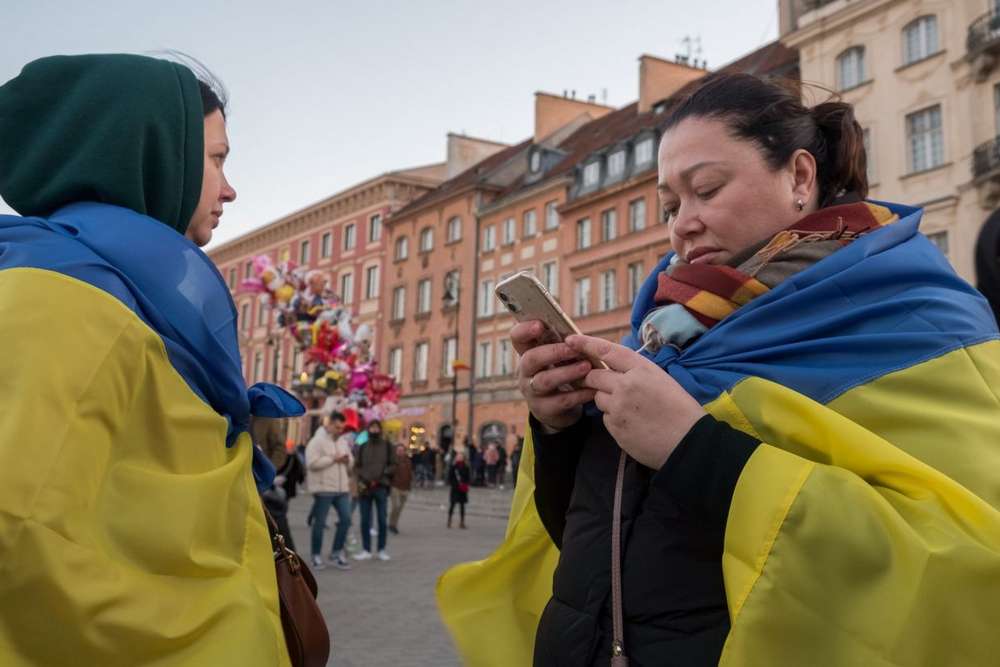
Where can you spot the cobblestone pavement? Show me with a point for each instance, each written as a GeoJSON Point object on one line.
{"type": "Point", "coordinates": [385, 613]}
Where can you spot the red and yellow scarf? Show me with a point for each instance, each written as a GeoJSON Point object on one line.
{"type": "Point", "coordinates": [712, 292]}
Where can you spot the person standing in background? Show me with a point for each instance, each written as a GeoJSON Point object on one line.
{"type": "Point", "coordinates": [329, 461]}
{"type": "Point", "coordinates": [374, 466]}
{"type": "Point", "coordinates": [402, 480]}
{"type": "Point", "coordinates": [458, 481]}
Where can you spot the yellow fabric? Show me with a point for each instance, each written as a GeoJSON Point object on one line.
{"type": "Point", "coordinates": [862, 532]}
{"type": "Point", "coordinates": [129, 534]}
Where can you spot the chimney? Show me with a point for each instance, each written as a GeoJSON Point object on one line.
{"type": "Point", "coordinates": [553, 112]}
{"type": "Point", "coordinates": [463, 152]}
{"type": "Point", "coordinates": [660, 78]}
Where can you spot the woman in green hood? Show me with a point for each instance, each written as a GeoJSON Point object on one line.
{"type": "Point", "coordinates": [131, 531]}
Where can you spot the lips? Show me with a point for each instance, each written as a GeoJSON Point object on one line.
{"type": "Point", "coordinates": [701, 255]}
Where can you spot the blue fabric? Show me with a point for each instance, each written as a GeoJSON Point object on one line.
{"type": "Point", "coordinates": [170, 284]}
{"type": "Point", "coordinates": [868, 309]}
{"type": "Point", "coordinates": [379, 496]}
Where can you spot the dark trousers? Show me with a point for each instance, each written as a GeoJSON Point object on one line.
{"type": "Point", "coordinates": [461, 510]}
{"type": "Point", "coordinates": [379, 496]}
{"type": "Point", "coordinates": [321, 506]}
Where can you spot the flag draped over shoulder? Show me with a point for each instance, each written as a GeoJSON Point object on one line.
{"type": "Point", "coordinates": [865, 530]}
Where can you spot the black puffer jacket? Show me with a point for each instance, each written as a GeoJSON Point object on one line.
{"type": "Point", "coordinates": [673, 525]}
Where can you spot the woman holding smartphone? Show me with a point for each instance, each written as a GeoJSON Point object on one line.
{"type": "Point", "coordinates": [801, 438]}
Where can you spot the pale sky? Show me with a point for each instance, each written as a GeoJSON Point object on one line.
{"type": "Point", "coordinates": [327, 94]}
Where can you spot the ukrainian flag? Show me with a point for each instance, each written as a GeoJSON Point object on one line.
{"type": "Point", "coordinates": [865, 529]}
{"type": "Point", "coordinates": [131, 532]}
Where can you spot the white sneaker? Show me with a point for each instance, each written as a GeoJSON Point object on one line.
{"type": "Point", "coordinates": [383, 555]}
{"type": "Point", "coordinates": [317, 562]}
{"type": "Point", "coordinates": [363, 555]}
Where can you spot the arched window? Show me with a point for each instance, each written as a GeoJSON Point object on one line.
{"type": "Point", "coordinates": [851, 68]}
{"type": "Point", "coordinates": [402, 247]}
{"type": "Point", "coordinates": [920, 39]}
{"type": "Point", "coordinates": [426, 239]}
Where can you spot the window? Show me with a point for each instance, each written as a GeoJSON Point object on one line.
{"type": "Point", "coordinates": [276, 369]}
{"type": "Point", "coordinates": [644, 151]}
{"type": "Point", "coordinates": [504, 366]}
{"type": "Point", "coordinates": [247, 270]}
{"type": "Point", "coordinates": [450, 355]}
{"type": "Point", "coordinates": [261, 314]}
{"type": "Point", "coordinates": [402, 247]}
{"type": "Point", "coordinates": [454, 231]}
{"type": "Point", "coordinates": [452, 288]}
{"type": "Point", "coordinates": [374, 228]}
{"type": "Point", "coordinates": [866, 135]}
{"type": "Point", "coordinates": [304, 254]}
{"type": "Point", "coordinates": [284, 254]}
{"type": "Point", "coordinates": [347, 288]}
{"type": "Point", "coordinates": [550, 277]}
{"type": "Point", "coordinates": [609, 300]}
{"type": "Point", "coordinates": [940, 239]}
{"type": "Point", "coordinates": [530, 227]}
{"type": "Point", "coordinates": [536, 161]}
{"type": "Point", "coordinates": [245, 317]}
{"type": "Point", "coordinates": [396, 363]}
{"type": "Point", "coordinates": [486, 298]}
{"type": "Point", "coordinates": [371, 282]}
{"type": "Point", "coordinates": [851, 68]}
{"type": "Point", "coordinates": [484, 361]}
{"type": "Point", "coordinates": [258, 366]}
{"type": "Point", "coordinates": [637, 214]}
{"type": "Point", "coordinates": [551, 216]}
{"type": "Point", "coordinates": [583, 234]}
{"type": "Point", "coordinates": [581, 297]}
{"type": "Point", "coordinates": [489, 238]}
{"type": "Point", "coordinates": [616, 164]}
{"type": "Point", "coordinates": [420, 362]}
{"type": "Point", "coordinates": [350, 239]}
{"type": "Point", "coordinates": [920, 39]}
{"type": "Point", "coordinates": [508, 231]}
{"type": "Point", "coordinates": [635, 276]}
{"type": "Point", "coordinates": [924, 139]}
{"type": "Point", "coordinates": [426, 239]}
{"type": "Point", "coordinates": [232, 279]}
{"type": "Point", "coordinates": [326, 245]}
{"type": "Point", "coordinates": [591, 174]}
{"type": "Point", "coordinates": [424, 296]}
{"type": "Point", "coordinates": [609, 224]}
{"type": "Point", "coordinates": [399, 303]}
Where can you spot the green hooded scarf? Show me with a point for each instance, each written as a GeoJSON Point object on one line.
{"type": "Point", "coordinates": [117, 129]}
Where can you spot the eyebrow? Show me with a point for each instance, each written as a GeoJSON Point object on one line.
{"type": "Point", "coordinates": [224, 144]}
{"type": "Point", "coordinates": [687, 173]}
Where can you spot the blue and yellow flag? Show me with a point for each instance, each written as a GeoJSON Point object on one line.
{"type": "Point", "coordinates": [865, 529]}
{"type": "Point", "coordinates": [131, 532]}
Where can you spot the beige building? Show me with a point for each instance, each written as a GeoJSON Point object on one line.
{"type": "Point", "coordinates": [923, 76]}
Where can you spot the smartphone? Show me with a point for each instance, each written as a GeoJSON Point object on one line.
{"type": "Point", "coordinates": [527, 299]}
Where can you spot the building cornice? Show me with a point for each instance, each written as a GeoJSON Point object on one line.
{"type": "Point", "coordinates": [527, 193]}
{"type": "Point", "coordinates": [384, 189]}
{"type": "Point", "coordinates": [831, 18]}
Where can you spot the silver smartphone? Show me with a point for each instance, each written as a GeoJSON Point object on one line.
{"type": "Point", "coordinates": [527, 299]}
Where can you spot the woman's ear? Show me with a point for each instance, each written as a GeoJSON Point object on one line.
{"type": "Point", "coordinates": [802, 168]}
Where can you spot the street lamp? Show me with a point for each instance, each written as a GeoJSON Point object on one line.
{"type": "Point", "coordinates": [448, 299]}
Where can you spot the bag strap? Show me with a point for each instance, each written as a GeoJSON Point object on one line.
{"type": "Point", "coordinates": [618, 658]}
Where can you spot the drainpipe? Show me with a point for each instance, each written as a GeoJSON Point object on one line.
{"type": "Point", "coordinates": [475, 313]}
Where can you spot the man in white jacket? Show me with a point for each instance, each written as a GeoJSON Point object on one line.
{"type": "Point", "coordinates": [329, 462]}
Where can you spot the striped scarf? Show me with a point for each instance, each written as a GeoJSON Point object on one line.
{"type": "Point", "coordinates": [710, 293]}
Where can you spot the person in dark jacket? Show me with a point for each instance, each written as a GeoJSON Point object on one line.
{"type": "Point", "coordinates": [458, 479]}
{"type": "Point", "coordinates": [374, 464]}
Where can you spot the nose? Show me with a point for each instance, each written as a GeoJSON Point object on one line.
{"type": "Point", "coordinates": [228, 193]}
{"type": "Point", "coordinates": [686, 222]}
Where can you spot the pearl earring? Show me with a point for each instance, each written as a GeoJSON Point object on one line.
{"type": "Point", "coordinates": [799, 204]}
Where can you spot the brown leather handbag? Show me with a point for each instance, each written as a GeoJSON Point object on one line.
{"type": "Point", "coordinates": [306, 635]}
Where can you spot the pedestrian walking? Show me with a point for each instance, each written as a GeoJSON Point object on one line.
{"type": "Point", "coordinates": [329, 462]}
{"type": "Point", "coordinates": [501, 464]}
{"type": "Point", "coordinates": [130, 527]}
{"type": "Point", "coordinates": [491, 458]}
{"type": "Point", "coordinates": [458, 482]}
{"type": "Point", "coordinates": [402, 479]}
{"type": "Point", "coordinates": [375, 465]}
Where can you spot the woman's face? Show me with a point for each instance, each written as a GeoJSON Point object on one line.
{"type": "Point", "coordinates": [215, 189]}
{"type": "Point", "coordinates": [719, 195]}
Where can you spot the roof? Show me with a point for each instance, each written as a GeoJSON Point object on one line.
{"type": "Point", "coordinates": [774, 58]}
{"type": "Point", "coordinates": [476, 175]}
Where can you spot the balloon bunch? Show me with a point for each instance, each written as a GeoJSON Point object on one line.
{"type": "Point", "coordinates": [337, 353]}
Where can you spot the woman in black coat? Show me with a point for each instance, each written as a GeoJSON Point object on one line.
{"type": "Point", "coordinates": [458, 480]}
